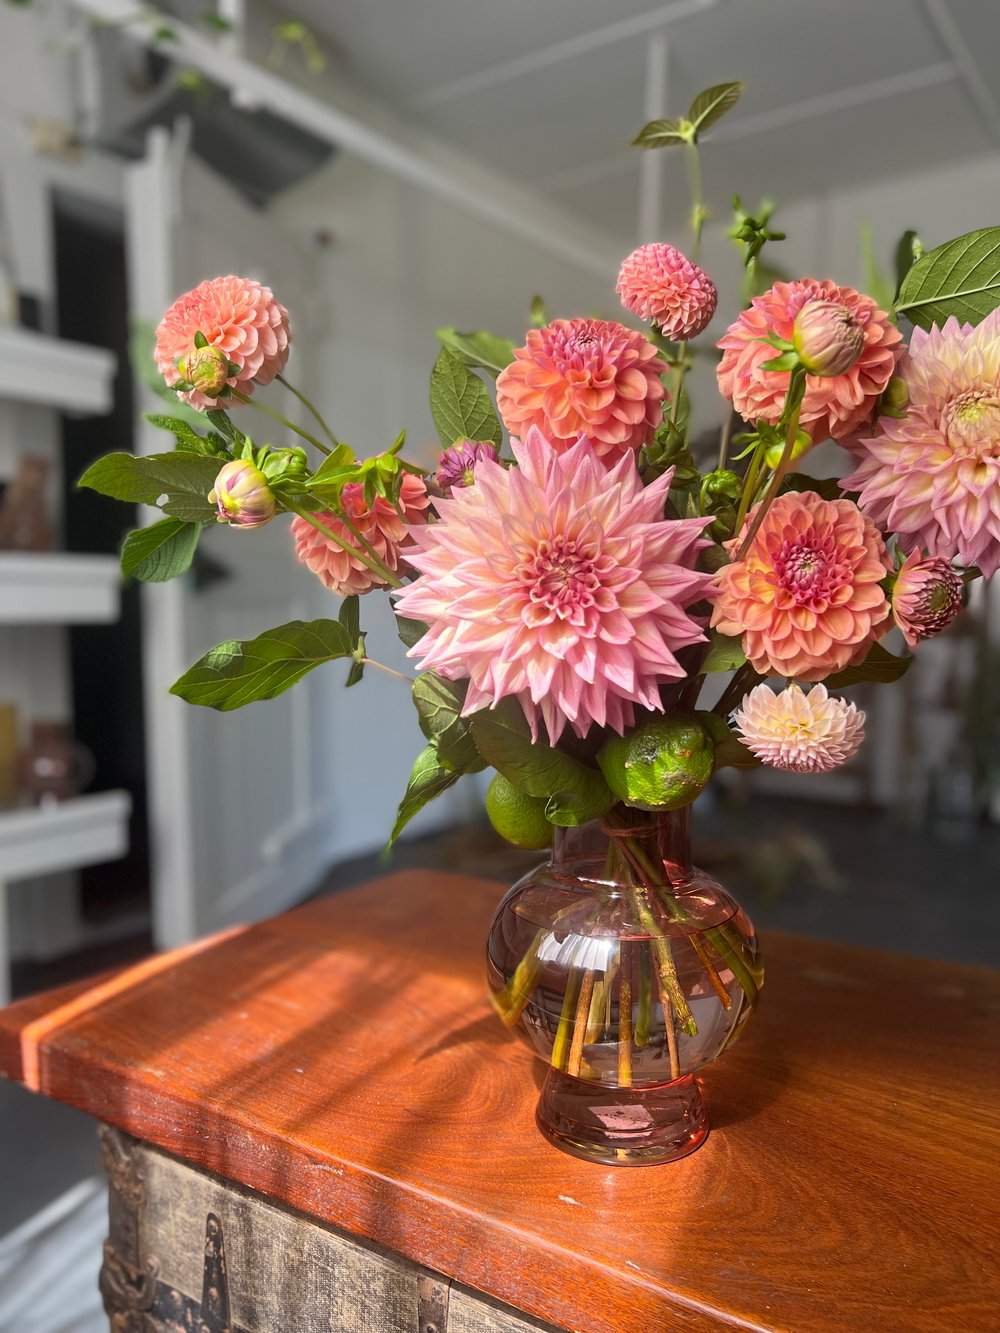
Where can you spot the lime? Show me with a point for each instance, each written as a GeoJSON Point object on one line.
{"type": "Point", "coordinates": [662, 765]}
{"type": "Point", "coordinates": [516, 816]}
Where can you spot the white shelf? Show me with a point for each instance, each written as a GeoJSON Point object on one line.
{"type": "Point", "coordinates": [86, 830]}
{"type": "Point", "coordinates": [58, 588]}
{"type": "Point", "coordinates": [66, 375]}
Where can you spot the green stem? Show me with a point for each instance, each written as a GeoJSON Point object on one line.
{"type": "Point", "coordinates": [310, 407]}
{"type": "Point", "coordinates": [736, 689]}
{"type": "Point", "coordinates": [389, 671]}
{"type": "Point", "coordinates": [564, 1032]}
{"type": "Point", "coordinates": [796, 390]}
{"type": "Point", "coordinates": [697, 197]}
{"type": "Point", "coordinates": [724, 434]}
{"type": "Point", "coordinates": [683, 365]}
{"type": "Point", "coordinates": [376, 566]}
{"type": "Point", "coordinates": [718, 937]}
{"type": "Point", "coordinates": [276, 416]}
{"type": "Point", "coordinates": [645, 1008]}
{"type": "Point", "coordinates": [359, 537]}
{"type": "Point", "coordinates": [749, 487]}
{"type": "Point", "coordinates": [511, 1002]}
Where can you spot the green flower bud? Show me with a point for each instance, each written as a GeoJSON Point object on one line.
{"type": "Point", "coordinates": [206, 369]}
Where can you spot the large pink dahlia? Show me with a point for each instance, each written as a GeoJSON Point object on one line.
{"type": "Point", "coordinates": [558, 582]}
{"type": "Point", "coordinates": [385, 528]}
{"type": "Point", "coordinates": [933, 476]}
{"type": "Point", "coordinates": [836, 405]}
{"type": "Point", "coordinates": [236, 315]}
{"type": "Point", "coordinates": [584, 377]}
{"type": "Point", "coordinates": [807, 597]}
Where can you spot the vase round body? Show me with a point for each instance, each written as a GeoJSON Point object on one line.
{"type": "Point", "coordinates": [627, 970]}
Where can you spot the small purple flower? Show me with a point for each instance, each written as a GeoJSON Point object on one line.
{"type": "Point", "coordinates": [457, 465]}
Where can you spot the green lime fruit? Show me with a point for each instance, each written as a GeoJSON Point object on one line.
{"type": "Point", "coordinates": [662, 765]}
{"type": "Point", "coordinates": [516, 816]}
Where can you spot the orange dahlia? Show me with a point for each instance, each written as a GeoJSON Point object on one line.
{"type": "Point", "coordinates": [238, 318]}
{"type": "Point", "coordinates": [584, 377]}
{"type": "Point", "coordinates": [807, 598]}
{"type": "Point", "coordinates": [836, 406]}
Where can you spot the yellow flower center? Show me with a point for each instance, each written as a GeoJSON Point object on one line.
{"type": "Point", "coordinates": [972, 424]}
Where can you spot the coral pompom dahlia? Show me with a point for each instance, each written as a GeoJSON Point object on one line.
{"type": "Point", "coordinates": [239, 317]}
{"type": "Point", "coordinates": [807, 733]}
{"type": "Point", "coordinates": [807, 597]}
{"type": "Point", "coordinates": [385, 528]}
{"type": "Point", "coordinates": [657, 282]}
{"type": "Point", "coordinates": [836, 406]}
{"type": "Point", "coordinates": [560, 583]}
{"type": "Point", "coordinates": [584, 377]}
{"type": "Point", "coordinates": [933, 476]}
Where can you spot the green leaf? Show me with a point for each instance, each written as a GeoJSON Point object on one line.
{"type": "Point", "coordinates": [724, 654]}
{"type": "Point", "coordinates": [240, 672]}
{"type": "Point", "coordinates": [439, 704]}
{"type": "Point", "coordinates": [539, 315]}
{"type": "Point", "coordinates": [879, 666]}
{"type": "Point", "coordinates": [350, 618]}
{"type": "Point", "coordinates": [185, 480]}
{"type": "Point", "coordinates": [480, 349]}
{"type": "Point", "coordinates": [160, 552]}
{"type": "Point", "coordinates": [216, 22]}
{"type": "Point", "coordinates": [574, 792]}
{"type": "Point", "coordinates": [827, 487]}
{"type": "Point", "coordinates": [730, 752]}
{"type": "Point", "coordinates": [460, 403]}
{"type": "Point", "coordinates": [960, 278]}
{"type": "Point", "coordinates": [428, 779]}
{"type": "Point", "coordinates": [410, 631]}
{"type": "Point", "coordinates": [664, 134]}
{"type": "Point", "coordinates": [712, 104]}
{"type": "Point", "coordinates": [219, 418]}
{"type": "Point", "coordinates": [185, 434]}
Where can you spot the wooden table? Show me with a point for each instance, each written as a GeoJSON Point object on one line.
{"type": "Point", "coordinates": [355, 1130]}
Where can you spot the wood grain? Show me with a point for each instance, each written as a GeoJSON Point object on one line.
{"type": "Point", "coordinates": [342, 1059]}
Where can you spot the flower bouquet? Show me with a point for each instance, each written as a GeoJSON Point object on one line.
{"type": "Point", "coordinates": [600, 618]}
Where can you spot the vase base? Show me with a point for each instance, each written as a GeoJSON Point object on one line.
{"type": "Point", "coordinates": [622, 1126]}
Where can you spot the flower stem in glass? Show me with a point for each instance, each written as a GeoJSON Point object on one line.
{"type": "Point", "coordinates": [580, 1023]}
{"type": "Point", "coordinates": [625, 1018]}
{"type": "Point", "coordinates": [561, 1045]}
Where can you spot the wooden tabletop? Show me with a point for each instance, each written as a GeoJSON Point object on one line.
{"type": "Point", "coordinates": [343, 1059]}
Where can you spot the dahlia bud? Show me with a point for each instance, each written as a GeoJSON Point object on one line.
{"type": "Point", "coordinates": [206, 369]}
{"type": "Point", "coordinates": [287, 463]}
{"type": "Point", "coordinates": [457, 465]}
{"type": "Point", "coordinates": [926, 597]}
{"type": "Point", "coordinates": [242, 496]}
{"type": "Point", "coordinates": [896, 398]}
{"type": "Point", "coordinates": [827, 338]}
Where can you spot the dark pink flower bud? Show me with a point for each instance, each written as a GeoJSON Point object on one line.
{"type": "Point", "coordinates": [926, 597]}
{"type": "Point", "coordinates": [457, 465]}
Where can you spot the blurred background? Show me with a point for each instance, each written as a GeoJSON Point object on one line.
{"type": "Point", "coordinates": [389, 168]}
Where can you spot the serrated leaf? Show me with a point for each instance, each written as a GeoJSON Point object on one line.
{"type": "Point", "coordinates": [160, 552]}
{"type": "Point", "coordinates": [663, 134]}
{"type": "Point", "coordinates": [712, 104]}
{"type": "Point", "coordinates": [241, 672]}
{"type": "Point", "coordinates": [574, 792]}
{"type": "Point", "coordinates": [439, 704]}
{"type": "Point", "coordinates": [184, 478]}
{"type": "Point", "coordinates": [429, 778]}
{"type": "Point", "coordinates": [960, 278]}
{"type": "Point", "coordinates": [410, 631]}
{"type": "Point", "coordinates": [177, 427]}
{"type": "Point", "coordinates": [220, 420]}
{"type": "Point", "coordinates": [350, 618]}
{"type": "Point", "coordinates": [479, 349]}
{"type": "Point", "coordinates": [460, 403]}
{"type": "Point", "coordinates": [724, 654]}
{"type": "Point", "coordinates": [880, 666]}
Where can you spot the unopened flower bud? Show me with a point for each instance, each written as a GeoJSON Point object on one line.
{"type": "Point", "coordinates": [457, 465]}
{"type": "Point", "coordinates": [242, 496]}
{"type": "Point", "coordinates": [896, 398]}
{"type": "Point", "coordinates": [285, 463]}
{"type": "Point", "coordinates": [827, 338]}
{"type": "Point", "coordinates": [926, 597]}
{"type": "Point", "coordinates": [206, 369]}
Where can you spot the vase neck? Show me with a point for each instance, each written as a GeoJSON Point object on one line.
{"type": "Point", "coordinates": [660, 837]}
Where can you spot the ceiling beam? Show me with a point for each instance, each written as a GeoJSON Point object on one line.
{"type": "Point", "coordinates": [569, 49]}
{"type": "Point", "coordinates": [419, 160]}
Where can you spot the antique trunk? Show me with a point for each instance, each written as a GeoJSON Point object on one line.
{"type": "Point", "coordinates": [189, 1252]}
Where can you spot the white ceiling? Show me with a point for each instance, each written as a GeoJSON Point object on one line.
{"type": "Point", "coordinates": [551, 91]}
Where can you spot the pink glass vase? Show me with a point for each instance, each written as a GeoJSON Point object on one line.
{"type": "Point", "coordinates": [626, 969]}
